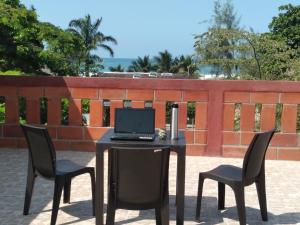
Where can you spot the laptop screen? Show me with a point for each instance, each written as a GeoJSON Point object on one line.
{"type": "Point", "coordinates": [128, 120]}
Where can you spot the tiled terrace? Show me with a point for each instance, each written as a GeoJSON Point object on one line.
{"type": "Point", "coordinates": [283, 195]}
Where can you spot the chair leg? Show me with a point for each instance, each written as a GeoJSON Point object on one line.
{"type": "Point", "coordinates": [162, 214]}
{"type": "Point", "coordinates": [165, 214]}
{"type": "Point", "coordinates": [199, 197]}
{"type": "Point", "coordinates": [261, 192]}
{"type": "Point", "coordinates": [29, 189]}
{"type": "Point", "coordinates": [111, 210]}
{"type": "Point", "coordinates": [221, 196]}
{"type": "Point", "coordinates": [58, 187]}
{"type": "Point", "coordinates": [110, 216]}
{"type": "Point", "coordinates": [92, 174]}
{"type": "Point", "coordinates": [67, 191]}
{"type": "Point", "coordinates": [158, 216]}
{"type": "Point", "coordinates": [240, 203]}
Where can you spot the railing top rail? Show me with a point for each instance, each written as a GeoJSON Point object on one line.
{"type": "Point", "coordinates": [151, 83]}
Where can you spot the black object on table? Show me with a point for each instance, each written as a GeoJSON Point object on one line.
{"type": "Point", "coordinates": [105, 143]}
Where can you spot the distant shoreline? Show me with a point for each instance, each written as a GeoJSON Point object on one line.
{"type": "Point", "coordinates": [114, 62]}
{"type": "Point", "coordinates": [126, 62]}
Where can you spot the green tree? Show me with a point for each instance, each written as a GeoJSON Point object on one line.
{"type": "Point", "coordinates": [164, 62]}
{"type": "Point", "coordinates": [225, 16]}
{"type": "Point", "coordinates": [256, 56]}
{"type": "Point", "coordinates": [118, 68]}
{"type": "Point", "coordinates": [184, 65]}
{"type": "Point", "coordinates": [92, 39]}
{"type": "Point", "coordinates": [2, 109]}
{"type": "Point", "coordinates": [224, 58]}
{"type": "Point", "coordinates": [221, 59]}
{"type": "Point", "coordinates": [286, 26]}
{"type": "Point", "coordinates": [271, 59]}
{"type": "Point", "coordinates": [61, 53]}
{"type": "Point", "coordinates": [141, 65]}
{"type": "Point", "coordinates": [13, 3]}
{"type": "Point", "coordinates": [20, 45]}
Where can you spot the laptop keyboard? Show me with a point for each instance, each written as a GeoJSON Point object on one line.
{"type": "Point", "coordinates": [135, 136]}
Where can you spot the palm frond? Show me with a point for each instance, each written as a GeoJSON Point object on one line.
{"type": "Point", "coordinates": [107, 48]}
{"type": "Point", "coordinates": [109, 39]}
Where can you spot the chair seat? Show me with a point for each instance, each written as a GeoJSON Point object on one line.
{"type": "Point", "coordinates": [68, 167]}
{"type": "Point", "coordinates": [224, 173]}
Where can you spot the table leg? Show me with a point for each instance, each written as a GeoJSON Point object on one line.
{"type": "Point", "coordinates": [180, 186]}
{"type": "Point", "coordinates": [99, 187]}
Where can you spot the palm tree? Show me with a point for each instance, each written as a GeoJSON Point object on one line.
{"type": "Point", "coordinates": [186, 65]}
{"type": "Point", "coordinates": [141, 65]}
{"type": "Point", "coordinates": [164, 62]}
{"type": "Point", "coordinates": [117, 68]}
{"type": "Point", "coordinates": [176, 68]}
{"type": "Point", "coordinates": [92, 39]}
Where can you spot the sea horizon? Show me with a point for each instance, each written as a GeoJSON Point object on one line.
{"type": "Point", "coordinates": [126, 62]}
{"type": "Point", "coordinates": [114, 62]}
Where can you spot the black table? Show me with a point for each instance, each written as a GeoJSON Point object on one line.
{"type": "Point", "coordinates": [177, 146]}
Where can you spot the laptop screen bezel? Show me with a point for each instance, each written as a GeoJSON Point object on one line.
{"type": "Point", "coordinates": [117, 110]}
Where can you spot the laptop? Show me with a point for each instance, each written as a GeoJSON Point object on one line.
{"type": "Point", "coordinates": [134, 124]}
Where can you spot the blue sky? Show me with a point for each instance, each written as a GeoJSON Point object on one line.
{"type": "Point", "coordinates": [146, 27]}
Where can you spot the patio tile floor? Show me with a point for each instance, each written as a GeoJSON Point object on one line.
{"type": "Point", "coordinates": [283, 194]}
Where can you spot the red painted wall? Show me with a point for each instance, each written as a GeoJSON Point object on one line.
{"type": "Point", "coordinates": [214, 133]}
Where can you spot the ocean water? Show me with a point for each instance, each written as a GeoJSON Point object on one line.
{"type": "Point", "coordinates": [114, 62]}
{"type": "Point", "coordinates": [126, 62]}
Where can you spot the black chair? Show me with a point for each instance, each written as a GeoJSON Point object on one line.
{"type": "Point", "coordinates": [42, 161]}
{"type": "Point", "coordinates": [138, 180]}
{"type": "Point", "coordinates": [237, 178]}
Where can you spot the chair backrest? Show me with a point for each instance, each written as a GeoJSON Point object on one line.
{"type": "Point", "coordinates": [138, 176]}
{"type": "Point", "coordinates": [255, 155]}
{"type": "Point", "coordinates": [41, 150]}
